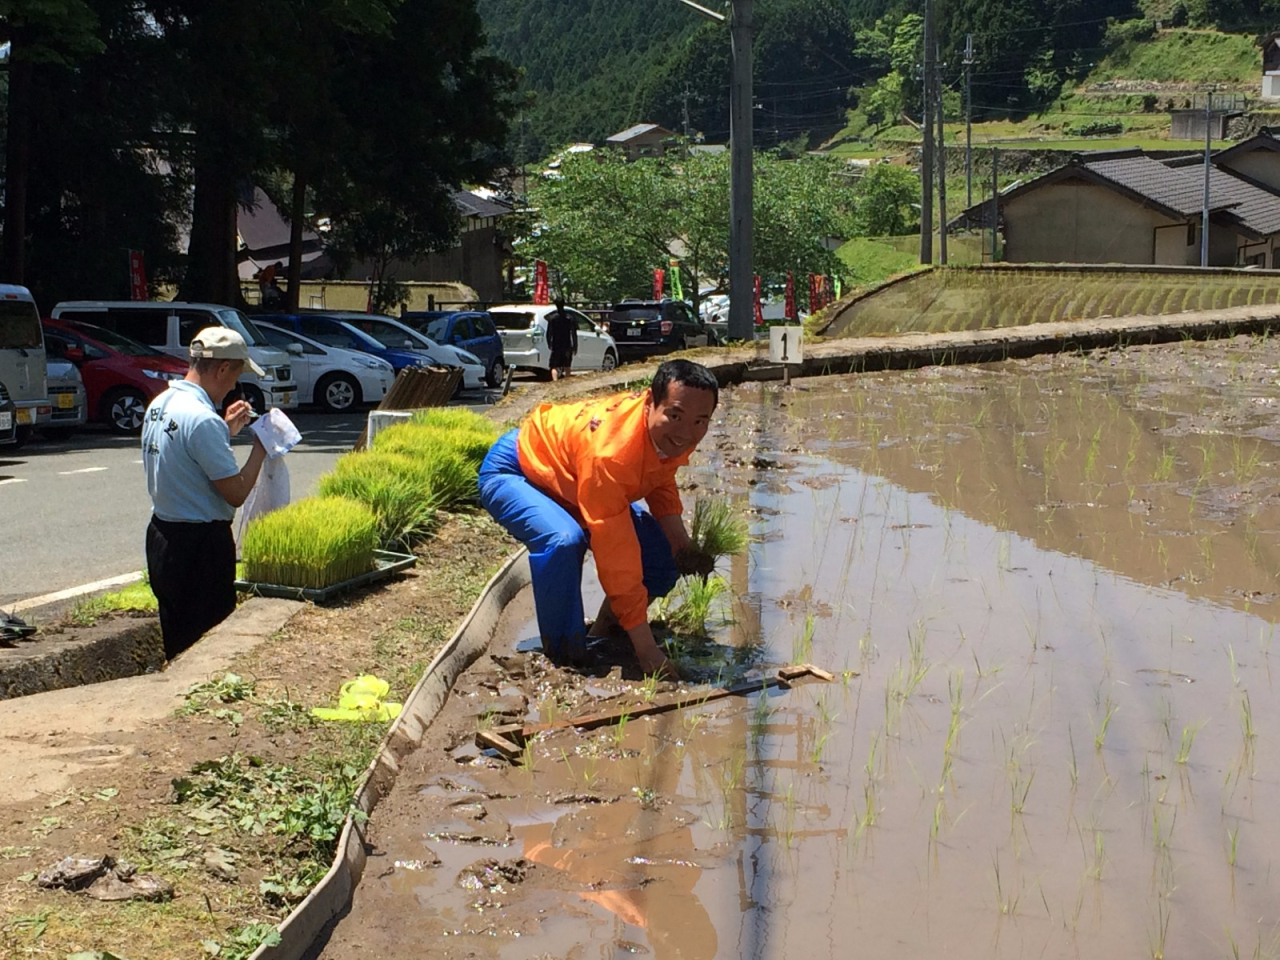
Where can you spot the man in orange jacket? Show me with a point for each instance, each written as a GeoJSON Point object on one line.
{"type": "Point", "coordinates": [570, 477]}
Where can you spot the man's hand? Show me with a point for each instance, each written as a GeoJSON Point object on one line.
{"type": "Point", "coordinates": [652, 659]}
{"type": "Point", "coordinates": [238, 416]}
{"type": "Point", "coordinates": [692, 560]}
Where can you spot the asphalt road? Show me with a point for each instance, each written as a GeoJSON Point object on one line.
{"type": "Point", "coordinates": [74, 512]}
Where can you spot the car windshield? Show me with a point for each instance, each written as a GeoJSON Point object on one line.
{"type": "Point", "coordinates": [116, 341]}
{"type": "Point", "coordinates": [512, 319]}
{"type": "Point", "coordinates": [276, 337]}
{"type": "Point", "coordinates": [364, 339]}
{"type": "Point", "coordinates": [242, 325]}
{"type": "Point", "coordinates": [19, 326]}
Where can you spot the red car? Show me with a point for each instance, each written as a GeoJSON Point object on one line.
{"type": "Point", "coordinates": [121, 376]}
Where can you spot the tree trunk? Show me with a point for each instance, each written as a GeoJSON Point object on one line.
{"type": "Point", "coordinates": [211, 257]}
{"type": "Point", "coordinates": [17, 168]}
{"type": "Point", "coordinates": [297, 216]}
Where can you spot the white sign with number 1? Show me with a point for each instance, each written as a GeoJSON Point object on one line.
{"type": "Point", "coordinates": [786, 344]}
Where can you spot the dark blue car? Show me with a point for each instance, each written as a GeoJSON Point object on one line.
{"type": "Point", "coordinates": [333, 332]}
{"type": "Point", "coordinates": [470, 330]}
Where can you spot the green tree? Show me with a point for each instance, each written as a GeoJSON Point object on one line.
{"type": "Point", "coordinates": [888, 201]}
{"type": "Point", "coordinates": [603, 224]}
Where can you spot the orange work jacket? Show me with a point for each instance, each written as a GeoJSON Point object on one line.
{"type": "Point", "coordinates": [596, 458]}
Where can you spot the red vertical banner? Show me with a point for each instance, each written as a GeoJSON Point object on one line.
{"type": "Point", "coordinates": [815, 303]}
{"type": "Point", "coordinates": [659, 278]}
{"type": "Point", "coordinates": [828, 291]}
{"type": "Point", "coordinates": [541, 285]}
{"type": "Point", "coordinates": [759, 307]}
{"type": "Point", "coordinates": [791, 311]}
{"type": "Point", "coordinates": [137, 276]}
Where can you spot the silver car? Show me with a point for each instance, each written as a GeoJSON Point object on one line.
{"type": "Point", "coordinates": [67, 397]}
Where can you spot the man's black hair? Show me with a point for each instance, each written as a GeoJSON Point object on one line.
{"type": "Point", "coordinates": [687, 372]}
{"type": "Point", "coordinates": [559, 303]}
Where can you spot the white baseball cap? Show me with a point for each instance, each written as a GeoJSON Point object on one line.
{"type": "Point", "coordinates": [223, 343]}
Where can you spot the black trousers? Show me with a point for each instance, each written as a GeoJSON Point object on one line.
{"type": "Point", "coordinates": [192, 567]}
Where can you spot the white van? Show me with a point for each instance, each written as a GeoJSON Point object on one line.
{"type": "Point", "coordinates": [169, 327]}
{"type": "Point", "coordinates": [23, 370]}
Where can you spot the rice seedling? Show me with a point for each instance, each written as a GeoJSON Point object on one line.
{"type": "Point", "coordinates": [1100, 735]}
{"type": "Point", "coordinates": [1246, 719]}
{"type": "Point", "coordinates": [451, 477]}
{"type": "Point", "coordinates": [313, 543]}
{"type": "Point", "coordinates": [802, 648]}
{"type": "Point", "coordinates": [393, 486]}
{"type": "Point", "coordinates": [1188, 738]}
{"type": "Point", "coordinates": [716, 530]}
{"type": "Point", "coordinates": [697, 598]}
{"type": "Point", "coordinates": [619, 733]}
{"type": "Point", "coordinates": [456, 418]}
{"type": "Point", "coordinates": [1233, 840]}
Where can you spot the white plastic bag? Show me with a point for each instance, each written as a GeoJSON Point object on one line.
{"type": "Point", "coordinates": [276, 432]}
{"type": "Point", "coordinates": [271, 492]}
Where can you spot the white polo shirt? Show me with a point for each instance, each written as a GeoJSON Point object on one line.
{"type": "Point", "coordinates": [185, 447]}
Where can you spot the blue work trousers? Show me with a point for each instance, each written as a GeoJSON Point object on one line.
{"type": "Point", "coordinates": [557, 544]}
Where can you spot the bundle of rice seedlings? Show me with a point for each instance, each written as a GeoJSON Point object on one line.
{"type": "Point", "coordinates": [393, 486]}
{"type": "Point", "coordinates": [452, 477]}
{"type": "Point", "coordinates": [690, 618]}
{"type": "Point", "coordinates": [716, 531]}
{"type": "Point", "coordinates": [313, 543]}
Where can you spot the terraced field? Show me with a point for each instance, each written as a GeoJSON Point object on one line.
{"type": "Point", "coordinates": [986, 297]}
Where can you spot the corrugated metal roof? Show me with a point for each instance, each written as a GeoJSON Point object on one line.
{"type": "Point", "coordinates": [473, 205]}
{"type": "Point", "coordinates": [638, 130]}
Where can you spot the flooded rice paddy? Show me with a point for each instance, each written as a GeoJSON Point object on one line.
{"type": "Point", "coordinates": [1048, 592]}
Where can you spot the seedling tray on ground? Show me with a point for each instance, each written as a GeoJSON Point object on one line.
{"type": "Point", "coordinates": [385, 564]}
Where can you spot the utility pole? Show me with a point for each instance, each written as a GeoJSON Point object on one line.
{"type": "Point", "coordinates": [995, 199]}
{"type": "Point", "coordinates": [968, 123]}
{"type": "Point", "coordinates": [926, 149]}
{"type": "Point", "coordinates": [741, 272]}
{"type": "Point", "coordinates": [942, 161]}
{"type": "Point", "coordinates": [1204, 214]}
{"type": "Point", "coordinates": [741, 186]}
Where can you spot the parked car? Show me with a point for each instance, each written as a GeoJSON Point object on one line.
{"type": "Point", "coordinates": [523, 328]}
{"type": "Point", "coordinates": [396, 334]}
{"type": "Point", "coordinates": [332, 377]}
{"type": "Point", "coordinates": [647, 328]}
{"type": "Point", "coordinates": [8, 418]}
{"type": "Point", "coordinates": [332, 332]}
{"type": "Point", "coordinates": [67, 397]}
{"type": "Point", "coordinates": [469, 330]}
{"type": "Point", "coordinates": [169, 327]}
{"type": "Point", "coordinates": [121, 376]}
{"type": "Point", "coordinates": [22, 359]}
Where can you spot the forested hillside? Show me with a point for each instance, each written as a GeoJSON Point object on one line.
{"type": "Point", "coordinates": [595, 66]}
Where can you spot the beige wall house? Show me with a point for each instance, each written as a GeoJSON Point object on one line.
{"type": "Point", "coordinates": [642, 140]}
{"type": "Point", "coordinates": [1125, 207]}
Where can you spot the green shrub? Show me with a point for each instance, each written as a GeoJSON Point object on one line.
{"type": "Point", "coordinates": [315, 543]}
{"type": "Point", "coordinates": [395, 487]}
{"type": "Point", "coordinates": [452, 476]}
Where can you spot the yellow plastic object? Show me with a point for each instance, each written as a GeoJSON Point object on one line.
{"type": "Point", "coordinates": [360, 700]}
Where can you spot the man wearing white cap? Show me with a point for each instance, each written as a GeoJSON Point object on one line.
{"type": "Point", "coordinates": [195, 486]}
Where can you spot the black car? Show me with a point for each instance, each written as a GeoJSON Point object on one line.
{"type": "Point", "coordinates": [647, 328]}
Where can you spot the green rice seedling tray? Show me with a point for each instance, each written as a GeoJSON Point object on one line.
{"type": "Point", "coordinates": [386, 564]}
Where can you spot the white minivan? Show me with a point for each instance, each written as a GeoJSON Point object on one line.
{"type": "Point", "coordinates": [23, 369]}
{"type": "Point", "coordinates": [170, 327]}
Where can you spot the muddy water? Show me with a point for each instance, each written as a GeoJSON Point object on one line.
{"type": "Point", "coordinates": [1056, 585]}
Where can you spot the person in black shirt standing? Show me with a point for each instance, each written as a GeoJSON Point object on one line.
{"type": "Point", "coordinates": [562, 338]}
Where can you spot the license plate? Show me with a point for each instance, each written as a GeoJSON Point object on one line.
{"type": "Point", "coordinates": [24, 415]}
{"type": "Point", "coordinates": [66, 401]}
{"type": "Point", "coordinates": [635, 332]}
{"type": "Point", "coordinates": [6, 421]}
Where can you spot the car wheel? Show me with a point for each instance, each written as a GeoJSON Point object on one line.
{"type": "Point", "coordinates": [20, 437]}
{"type": "Point", "coordinates": [123, 410]}
{"type": "Point", "coordinates": [254, 396]}
{"type": "Point", "coordinates": [496, 372]}
{"type": "Point", "coordinates": [610, 361]}
{"type": "Point", "coordinates": [337, 392]}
